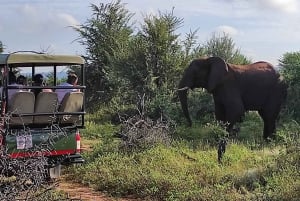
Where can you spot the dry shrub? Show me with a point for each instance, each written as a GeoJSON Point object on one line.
{"type": "Point", "coordinates": [140, 132]}
{"type": "Point", "coordinates": [27, 178]}
{"type": "Point", "coordinates": [22, 177]}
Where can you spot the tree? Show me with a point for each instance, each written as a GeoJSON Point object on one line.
{"type": "Point", "coordinates": [1, 47]}
{"type": "Point", "coordinates": [105, 35]}
{"type": "Point", "coordinates": [162, 46]}
{"type": "Point", "coordinates": [223, 46]}
{"type": "Point", "coordinates": [155, 55]}
{"type": "Point", "coordinates": [290, 69]}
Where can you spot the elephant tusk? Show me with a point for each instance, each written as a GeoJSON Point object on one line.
{"type": "Point", "coordinates": [183, 89]}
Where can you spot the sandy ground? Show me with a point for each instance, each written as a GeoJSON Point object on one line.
{"type": "Point", "coordinates": [77, 191]}
{"type": "Point", "coordinates": [84, 193]}
{"type": "Point", "coordinates": [81, 192]}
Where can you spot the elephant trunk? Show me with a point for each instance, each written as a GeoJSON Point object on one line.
{"type": "Point", "coordinates": [182, 93]}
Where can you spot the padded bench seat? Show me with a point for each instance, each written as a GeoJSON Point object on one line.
{"type": "Point", "coordinates": [46, 103]}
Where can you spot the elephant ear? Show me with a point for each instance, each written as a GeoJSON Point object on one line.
{"type": "Point", "coordinates": [218, 69]}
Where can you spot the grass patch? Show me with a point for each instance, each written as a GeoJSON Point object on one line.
{"type": "Point", "coordinates": [179, 173]}
{"type": "Point", "coordinates": [95, 130]}
{"type": "Point", "coordinates": [188, 169]}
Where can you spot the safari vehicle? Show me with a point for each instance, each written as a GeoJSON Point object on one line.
{"type": "Point", "coordinates": [41, 126]}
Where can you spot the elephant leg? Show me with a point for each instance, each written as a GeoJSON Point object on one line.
{"type": "Point", "coordinates": [269, 124]}
{"type": "Point", "coordinates": [220, 112]}
{"type": "Point", "coordinates": [269, 115]}
{"type": "Point", "coordinates": [234, 113]}
{"type": "Point", "coordinates": [272, 108]}
{"type": "Point", "coordinates": [221, 117]}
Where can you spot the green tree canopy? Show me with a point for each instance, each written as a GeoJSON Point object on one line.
{"type": "Point", "coordinates": [223, 46]}
{"type": "Point", "coordinates": [290, 69]}
{"type": "Point", "coordinates": [123, 63]}
{"type": "Point", "coordinates": [104, 35]}
{"type": "Point", "coordinates": [1, 47]}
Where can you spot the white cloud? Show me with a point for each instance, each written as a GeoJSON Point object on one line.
{"type": "Point", "coordinates": [32, 19]}
{"type": "Point", "coordinates": [27, 10]}
{"type": "Point", "coordinates": [227, 29]}
{"type": "Point", "coordinates": [287, 6]}
{"type": "Point", "coordinates": [66, 19]}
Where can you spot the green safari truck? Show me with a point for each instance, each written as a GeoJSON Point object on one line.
{"type": "Point", "coordinates": [38, 124]}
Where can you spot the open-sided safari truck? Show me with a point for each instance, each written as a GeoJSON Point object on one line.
{"type": "Point", "coordinates": [34, 126]}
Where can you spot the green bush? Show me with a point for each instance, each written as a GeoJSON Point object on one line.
{"type": "Point", "coordinates": [199, 135]}
{"type": "Point", "coordinates": [251, 129]}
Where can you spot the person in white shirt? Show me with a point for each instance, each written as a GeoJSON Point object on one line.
{"type": "Point", "coordinates": [71, 81]}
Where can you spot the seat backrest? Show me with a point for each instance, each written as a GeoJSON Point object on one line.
{"type": "Point", "coordinates": [21, 102]}
{"type": "Point", "coordinates": [46, 102]}
{"type": "Point", "coordinates": [72, 102]}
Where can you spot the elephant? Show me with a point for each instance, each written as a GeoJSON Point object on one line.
{"type": "Point", "coordinates": [236, 89]}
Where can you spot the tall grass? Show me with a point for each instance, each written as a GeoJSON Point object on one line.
{"type": "Point", "coordinates": [188, 169]}
{"type": "Point", "coordinates": [180, 173]}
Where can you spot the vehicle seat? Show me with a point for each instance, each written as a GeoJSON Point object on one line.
{"type": "Point", "coordinates": [46, 102]}
{"type": "Point", "coordinates": [72, 102]}
{"type": "Point", "coordinates": [21, 102]}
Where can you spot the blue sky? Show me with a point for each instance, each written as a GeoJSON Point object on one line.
{"type": "Point", "coordinates": [262, 29]}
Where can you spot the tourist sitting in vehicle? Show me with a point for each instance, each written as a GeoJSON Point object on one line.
{"type": "Point", "coordinates": [12, 80]}
{"type": "Point", "coordinates": [71, 81]}
{"type": "Point", "coordinates": [38, 80]}
{"type": "Point", "coordinates": [22, 80]}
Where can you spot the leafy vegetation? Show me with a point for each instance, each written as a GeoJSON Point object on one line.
{"type": "Point", "coordinates": [224, 47]}
{"type": "Point", "coordinates": [1, 47]}
{"type": "Point", "coordinates": [141, 68]}
{"type": "Point", "coordinates": [290, 69]}
{"type": "Point", "coordinates": [187, 169]}
{"type": "Point", "coordinates": [132, 76]}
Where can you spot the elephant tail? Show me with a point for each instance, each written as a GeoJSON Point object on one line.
{"type": "Point", "coordinates": [283, 84]}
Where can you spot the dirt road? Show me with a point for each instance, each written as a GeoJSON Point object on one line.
{"type": "Point", "coordinates": [78, 191]}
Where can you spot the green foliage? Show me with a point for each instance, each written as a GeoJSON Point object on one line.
{"type": "Point", "coordinates": [251, 129]}
{"type": "Point", "coordinates": [50, 195]}
{"type": "Point", "coordinates": [201, 106]}
{"type": "Point", "coordinates": [244, 175]}
{"type": "Point", "coordinates": [223, 46]}
{"type": "Point", "coordinates": [162, 47]}
{"type": "Point", "coordinates": [123, 65]}
{"type": "Point", "coordinates": [95, 130]}
{"type": "Point", "coordinates": [250, 169]}
{"type": "Point", "coordinates": [191, 47]}
{"type": "Point", "coordinates": [1, 47]}
{"type": "Point", "coordinates": [163, 105]}
{"type": "Point", "coordinates": [105, 36]}
{"type": "Point", "coordinates": [148, 65]}
{"type": "Point", "coordinates": [283, 178]}
{"type": "Point", "coordinates": [290, 69]}
{"type": "Point", "coordinates": [155, 57]}
{"type": "Point", "coordinates": [206, 134]}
